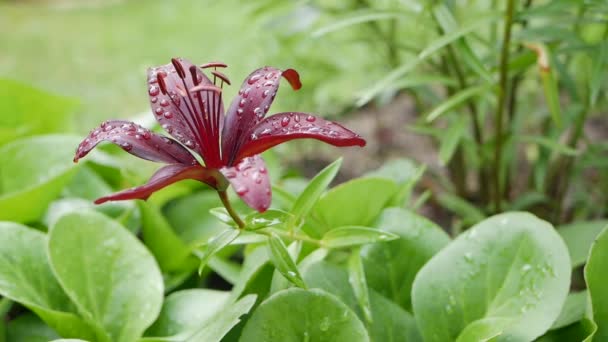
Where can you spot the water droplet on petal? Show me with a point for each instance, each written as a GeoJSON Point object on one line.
{"type": "Point", "coordinates": [265, 131]}
{"type": "Point", "coordinates": [265, 93]}
{"type": "Point", "coordinates": [239, 111]}
{"type": "Point", "coordinates": [154, 99]}
{"type": "Point", "coordinates": [168, 115]}
{"type": "Point", "coordinates": [164, 102]}
{"type": "Point", "coordinates": [258, 111]}
{"type": "Point", "coordinates": [269, 75]}
{"type": "Point", "coordinates": [189, 144]}
{"type": "Point", "coordinates": [95, 133]}
{"type": "Point", "coordinates": [153, 91]}
{"type": "Point", "coordinates": [242, 190]}
{"type": "Point", "coordinates": [246, 92]}
{"type": "Point", "coordinates": [254, 78]}
{"type": "Point", "coordinates": [263, 170]}
{"type": "Point", "coordinates": [242, 103]}
{"type": "Point", "coordinates": [127, 147]}
{"type": "Point", "coordinates": [285, 121]}
{"type": "Point", "coordinates": [230, 174]}
{"type": "Point", "coordinates": [311, 118]}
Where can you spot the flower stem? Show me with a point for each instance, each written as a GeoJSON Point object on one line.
{"type": "Point", "coordinates": [235, 216]}
{"type": "Point", "coordinates": [502, 93]}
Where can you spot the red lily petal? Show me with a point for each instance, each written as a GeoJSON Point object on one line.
{"type": "Point", "coordinates": [136, 140]}
{"type": "Point", "coordinates": [251, 105]}
{"type": "Point", "coordinates": [165, 176]}
{"type": "Point", "coordinates": [250, 181]}
{"type": "Point", "coordinates": [283, 127]}
{"type": "Point", "coordinates": [192, 117]}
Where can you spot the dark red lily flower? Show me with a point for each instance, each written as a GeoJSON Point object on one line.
{"type": "Point", "coordinates": [189, 107]}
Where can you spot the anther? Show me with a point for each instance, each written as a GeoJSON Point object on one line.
{"type": "Point", "coordinates": [202, 87]}
{"type": "Point", "coordinates": [194, 75]}
{"type": "Point", "coordinates": [178, 67]}
{"type": "Point", "coordinates": [161, 82]}
{"type": "Point", "coordinates": [213, 65]}
{"type": "Point", "coordinates": [221, 76]}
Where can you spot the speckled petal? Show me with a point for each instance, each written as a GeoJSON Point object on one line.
{"type": "Point", "coordinates": [250, 181]}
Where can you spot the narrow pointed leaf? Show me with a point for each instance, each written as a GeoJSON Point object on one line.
{"type": "Point", "coordinates": [165, 176]}
{"type": "Point", "coordinates": [267, 219]}
{"type": "Point", "coordinates": [456, 100]}
{"type": "Point", "coordinates": [356, 278]}
{"type": "Point", "coordinates": [250, 181]}
{"type": "Point", "coordinates": [356, 19]}
{"type": "Point", "coordinates": [353, 236]}
{"type": "Point", "coordinates": [284, 127]}
{"type": "Point", "coordinates": [136, 140]}
{"type": "Point", "coordinates": [216, 244]}
{"type": "Point", "coordinates": [279, 255]}
{"type": "Point", "coordinates": [313, 191]}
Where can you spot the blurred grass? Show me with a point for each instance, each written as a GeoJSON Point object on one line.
{"type": "Point", "coordinates": [100, 54]}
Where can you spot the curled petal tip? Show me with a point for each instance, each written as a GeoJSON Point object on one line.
{"type": "Point", "coordinates": [293, 78]}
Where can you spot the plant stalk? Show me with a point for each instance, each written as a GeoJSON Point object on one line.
{"type": "Point", "coordinates": [502, 94]}
{"type": "Point", "coordinates": [235, 216]}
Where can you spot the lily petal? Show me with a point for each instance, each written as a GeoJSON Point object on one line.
{"type": "Point", "coordinates": [136, 140]}
{"type": "Point", "coordinates": [165, 176]}
{"type": "Point", "coordinates": [250, 181]}
{"type": "Point", "coordinates": [283, 127]}
{"type": "Point", "coordinates": [251, 105]}
{"type": "Point", "coordinates": [191, 117]}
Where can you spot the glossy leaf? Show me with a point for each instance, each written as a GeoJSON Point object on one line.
{"type": "Point", "coordinates": [109, 275]}
{"type": "Point", "coordinates": [282, 260]}
{"type": "Point", "coordinates": [390, 267]}
{"type": "Point", "coordinates": [390, 322]}
{"type": "Point", "coordinates": [34, 170]}
{"type": "Point", "coordinates": [356, 202]}
{"type": "Point", "coordinates": [595, 276]}
{"type": "Point", "coordinates": [190, 217]}
{"type": "Point", "coordinates": [184, 312]}
{"type": "Point", "coordinates": [506, 278]}
{"type": "Point", "coordinates": [225, 320]}
{"type": "Point", "coordinates": [296, 314]}
{"type": "Point", "coordinates": [349, 236]}
{"type": "Point", "coordinates": [26, 277]}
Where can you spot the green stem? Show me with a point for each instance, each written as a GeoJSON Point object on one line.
{"type": "Point", "coordinates": [235, 216]}
{"type": "Point", "coordinates": [502, 92]}
{"type": "Point", "coordinates": [292, 235]}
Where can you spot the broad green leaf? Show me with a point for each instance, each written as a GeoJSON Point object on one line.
{"type": "Point", "coordinates": [110, 276]}
{"type": "Point", "coordinates": [579, 237]}
{"type": "Point", "coordinates": [405, 173]}
{"type": "Point", "coordinates": [356, 202]}
{"type": "Point", "coordinates": [390, 322]}
{"type": "Point", "coordinates": [595, 276]}
{"type": "Point", "coordinates": [313, 191]}
{"type": "Point", "coordinates": [255, 275]}
{"type": "Point", "coordinates": [573, 310]}
{"type": "Point", "coordinates": [390, 267]}
{"type": "Point", "coordinates": [26, 277]}
{"type": "Point", "coordinates": [506, 278]}
{"type": "Point", "coordinates": [282, 260]}
{"type": "Point", "coordinates": [225, 320]}
{"type": "Point", "coordinates": [29, 328]}
{"type": "Point", "coordinates": [33, 172]}
{"type": "Point", "coordinates": [456, 100]}
{"type": "Point", "coordinates": [185, 312]}
{"type": "Point", "coordinates": [356, 278]}
{"type": "Point", "coordinates": [214, 245]}
{"type": "Point", "coordinates": [227, 269]}
{"type": "Point", "coordinates": [356, 19]}
{"type": "Point", "coordinates": [349, 236]}
{"type": "Point", "coordinates": [25, 110]}
{"type": "Point", "coordinates": [295, 315]}
{"type": "Point", "coordinates": [169, 250]}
